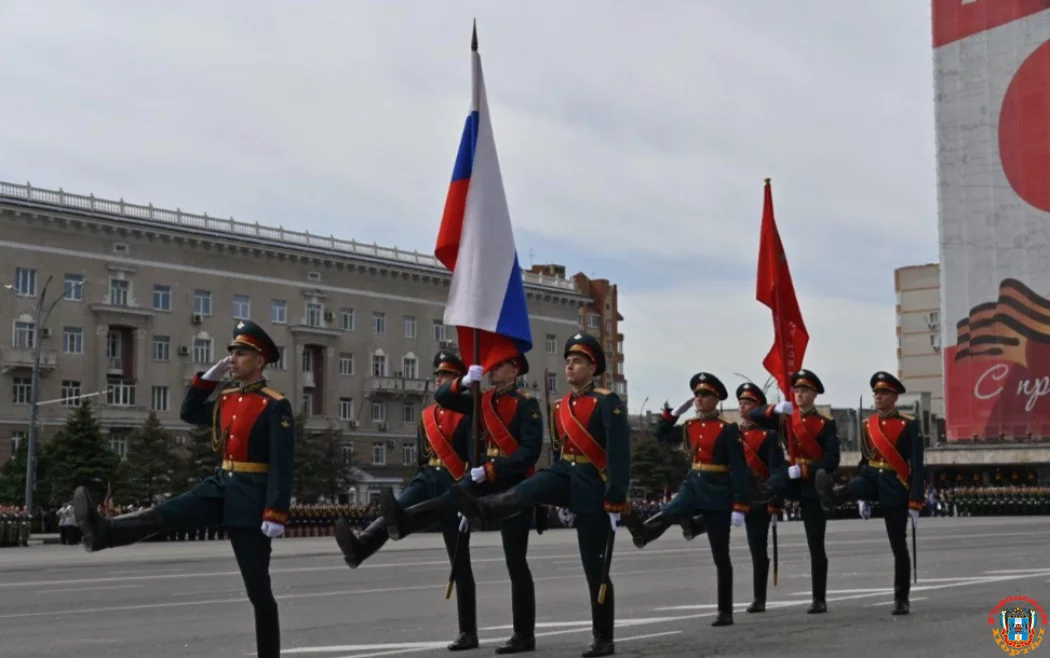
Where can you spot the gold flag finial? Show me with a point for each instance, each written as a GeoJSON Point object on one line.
{"type": "Point", "coordinates": [474, 37]}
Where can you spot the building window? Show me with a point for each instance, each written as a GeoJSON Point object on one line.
{"type": "Point", "coordinates": [121, 394]}
{"type": "Point", "coordinates": [552, 344]}
{"type": "Point", "coordinates": [379, 365]}
{"type": "Point", "coordinates": [308, 359]}
{"type": "Point", "coordinates": [410, 326]}
{"type": "Point", "coordinates": [161, 298]}
{"type": "Point", "coordinates": [346, 319]}
{"type": "Point", "coordinates": [378, 323]}
{"type": "Point", "coordinates": [161, 348]}
{"type": "Point", "coordinates": [348, 455]}
{"type": "Point", "coordinates": [346, 408]}
{"type": "Point", "coordinates": [25, 282]}
{"type": "Point", "coordinates": [313, 314]}
{"type": "Point", "coordinates": [410, 367]}
{"type": "Point", "coordinates": [552, 382]}
{"type": "Point", "coordinates": [118, 292]}
{"type": "Point", "coordinates": [408, 413]}
{"type": "Point", "coordinates": [620, 388]}
{"type": "Point", "coordinates": [278, 311]}
{"type": "Point", "coordinates": [608, 325]}
{"type": "Point", "coordinates": [378, 412]}
{"type": "Point", "coordinates": [594, 321]}
{"type": "Point", "coordinates": [16, 440]}
{"type": "Point", "coordinates": [70, 393]}
{"type": "Point", "coordinates": [159, 398]}
{"type": "Point", "coordinates": [242, 307]}
{"type": "Point", "coordinates": [308, 404]}
{"type": "Point", "coordinates": [21, 389]}
{"type": "Point", "coordinates": [24, 334]}
{"type": "Point", "coordinates": [202, 350]}
{"type": "Point", "coordinates": [346, 364]}
{"type": "Point", "coordinates": [74, 288]}
{"type": "Point", "coordinates": [202, 302]}
{"type": "Point", "coordinates": [378, 453]}
{"type": "Point", "coordinates": [118, 444]}
{"type": "Point", "coordinates": [439, 330]}
{"type": "Point", "coordinates": [73, 340]}
{"type": "Point", "coordinates": [114, 343]}
{"type": "Point", "coordinates": [409, 451]}
{"type": "Point", "coordinates": [619, 347]}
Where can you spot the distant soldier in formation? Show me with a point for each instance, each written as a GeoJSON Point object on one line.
{"type": "Point", "coordinates": [813, 446]}
{"type": "Point", "coordinates": [716, 487]}
{"type": "Point", "coordinates": [589, 476]}
{"type": "Point", "coordinates": [443, 446]}
{"type": "Point", "coordinates": [512, 436]}
{"type": "Point", "coordinates": [891, 472]}
{"type": "Point", "coordinates": [253, 428]}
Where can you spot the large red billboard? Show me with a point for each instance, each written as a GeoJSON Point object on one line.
{"type": "Point", "coordinates": [992, 77]}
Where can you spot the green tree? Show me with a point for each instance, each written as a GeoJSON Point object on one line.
{"type": "Point", "coordinates": [655, 465]}
{"type": "Point", "coordinates": [77, 456]}
{"type": "Point", "coordinates": [13, 477]}
{"type": "Point", "coordinates": [332, 473]}
{"type": "Point", "coordinates": [151, 467]}
{"type": "Point", "coordinates": [200, 461]}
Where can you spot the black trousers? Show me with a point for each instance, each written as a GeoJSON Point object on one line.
{"type": "Point", "coordinates": [718, 524]}
{"type": "Point", "coordinates": [815, 523]}
{"type": "Point", "coordinates": [757, 524]}
{"type": "Point", "coordinates": [896, 519]}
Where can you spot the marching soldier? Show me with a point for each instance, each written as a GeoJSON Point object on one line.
{"type": "Point", "coordinates": [716, 487]}
{"type": "Point", "coordinates": [813, 446]}
{"type": "Point", "coordinates": [512, 435]}
{"type": "Point", "coordinates": [253, 428]}
{"type": "Point", "coordinates": [764, 456]}
{"type": "Point", "coordinates": [443, 454]}
{"type": "Point", "coordinates": [590, 476]}
{"type": "Point", "coordinates": [891, 471]}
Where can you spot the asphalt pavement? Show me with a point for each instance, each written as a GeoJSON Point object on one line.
{"type": "Point", "coordinates": [186, 599]}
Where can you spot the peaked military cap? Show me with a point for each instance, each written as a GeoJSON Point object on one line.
{"type": "Point", "coordinates": [807, 379]}
{"type": "Point", "coordinates": [450, 363]}
{"type": "Point", "coordinates": [750, 391]}
{"type": "Point", "coordinates": [588, 346]}
{"type": "Point", "coordinates": [248, 334]}
{"type": "Point", "coordinates": [705, 381]}
{"type": "Point", "coordinates": [886, 381]}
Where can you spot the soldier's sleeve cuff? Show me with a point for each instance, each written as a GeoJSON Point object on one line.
{"type": "Point", "coordinates": [773, 509]}
{"type": "Point", "coordinates": [743, 508]}
{"type": "Point", "coordinates": [805, 471]}
{"type": "Point", "coordinates": [770, 409]}
{"type": "Point", "coordinates": [203, 384]}
{"type": "Point", "coordinates": [275, 516]}
{"type": "Point", "coordinates": [668, 416]}
{"type": "Point", "coordinates": [617, 507]}
{"type": "Point", "coordinates": [916, 505]}
{"type": "Point", "coordinates": [456, 385]}
{"type": "Point", "coordinates": [490, 471]}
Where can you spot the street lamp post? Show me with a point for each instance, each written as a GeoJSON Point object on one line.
{"type": "Point", "coordinates": [39, 318]}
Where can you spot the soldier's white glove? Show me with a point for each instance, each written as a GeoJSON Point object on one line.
{"type": "Point", "coordinates": [478, 474]}
{"type": "Point", "coordinates": [783, 407]}
{"type": "Point", "coordinates": [272, 530]}
{"type": "Point", "coordinates": [794, 472]}
{"type": "Point", "coordinates": [614, 518]}
{"type": "Point", "coordinates": [865, 509]}
{"type": "Point", "coordinates": [737, 519]}
{"type": "Point", "coordinates": [474, 374]}
{"type": "Point", "coordinates": [683, 407]}
{"type": "Point", "coordinates": [914, 516]}
{"type": "Point", "coordinates": [216, 372]}
{"type": "Point", "coordinates": [464, 523]}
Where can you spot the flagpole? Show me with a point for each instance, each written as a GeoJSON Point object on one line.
{"type": "Point", "coordinates": [475, 387]}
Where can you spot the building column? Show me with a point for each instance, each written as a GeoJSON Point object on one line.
{"type": "Point", "coordinates": [101, 332]}
{"type": "Point", "coordinates": [330, 370]}
{"type": "Point", "coordinates": [140, 370]}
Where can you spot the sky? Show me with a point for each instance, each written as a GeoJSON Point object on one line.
{"type": "Point", "coordinates": [633, 138]}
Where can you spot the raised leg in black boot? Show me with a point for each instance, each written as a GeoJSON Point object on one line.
{"type": "Point", "coordinates": [98, 532]}
{"type": "Point", "coordinates": [643, 532]}
{"type": "Point", "coordinates": [401, 522]}
{"type": "Point", "coordinates": [357, 548]}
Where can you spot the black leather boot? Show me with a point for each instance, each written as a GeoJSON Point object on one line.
{"type": "Point", "coordinates": [831, 495]}
{"type": "Point", "coordinates": [643, 532]}
{"type": "Point", "coordinates": [357, 548]}
{"type": "Point", "coordinates": [820, 588]}
{"type": "Point", "coordinates": [523, 610]}
{"type": "Point", "coordinates": [518, 643]}
{"type": "Point", "coordinates": [98, 532]}
{"type": "Point", "coordinates": [725, 598]}
{"type": "Point", "coordinates": [267, 632]}
{"type": "Point", "coordinates": [694, 527]}
{"type": "Point", "coordinates": [761, 577]}
{"type": "Point", "coordinates": [488, 508]}
{"type": "Point", "coordinates": [401, 522]}
{"type": "Point", "coordinates": [901, 587]}
{"type": "Point", "coordinates": [603, 616]}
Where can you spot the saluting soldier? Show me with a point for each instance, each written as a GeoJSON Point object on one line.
{"type": "Point", "coordinates": [443, 454]}
{"type": "Point", "coordinates": [813, 446]}
{"type": "Point", "coordinates": [716, 487]}
{"type": "Point", "coordinates": [512, 436]}
{"type": "Point", "coordinates": [590, 476]}
{"type": "Point", "coordinates": [891, 471]}
{"type": "Point", "coordinates": [764, 456]}
{"type": "Point", "coordinates": [253, 429]}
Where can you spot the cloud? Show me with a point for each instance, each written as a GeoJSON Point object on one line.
{"type": "Point", "coordinates": [633, 137]}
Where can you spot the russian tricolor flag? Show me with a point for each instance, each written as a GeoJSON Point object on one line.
{"type": "Point", "coordinates": [476, 243]}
